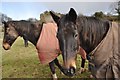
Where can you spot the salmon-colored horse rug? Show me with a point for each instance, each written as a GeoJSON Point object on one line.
{"type": "Point", "coordinates": [48, 45]}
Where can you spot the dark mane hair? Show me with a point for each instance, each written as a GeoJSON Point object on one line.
{"type": "Point", "coordinates": [27, 28]}
{"type": "Point", "coordinates": [93, 29]}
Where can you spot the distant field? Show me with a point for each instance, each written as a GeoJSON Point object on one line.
{"type": "Point", "coordinates": [22, 62]}
{"type": "Point", "coordinates": [1, 28]}
{"type": "Point", "coordinates": [1, 36]}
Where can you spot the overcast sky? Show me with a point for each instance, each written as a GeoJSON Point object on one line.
{"type": "Point", "coordinates": [25, 10]}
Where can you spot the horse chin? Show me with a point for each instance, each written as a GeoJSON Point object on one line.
{"type": "Point", "coordinates": [6, 46]}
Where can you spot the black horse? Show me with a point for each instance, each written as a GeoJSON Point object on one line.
{"type": "Point", "coordinates": [87, 32]}
{"type": "Point", "coordinates": [28, 30]}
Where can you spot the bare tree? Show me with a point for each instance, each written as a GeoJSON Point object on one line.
{"type": "Point", "coordinates": [112, 8]}
{"type": "Point", "coordinates": [118, 8]}
{"type": "Point", "coordinates": [115, 9]}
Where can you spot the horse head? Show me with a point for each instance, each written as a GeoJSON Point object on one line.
{"type": "Point", "coordinates": [10, 34]}
{"type": "Point", "coordinates": [68, 39]}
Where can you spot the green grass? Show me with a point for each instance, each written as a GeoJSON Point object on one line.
{"type": "Point", "coordinates": [23, 62]}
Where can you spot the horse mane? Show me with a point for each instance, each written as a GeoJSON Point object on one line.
{"type": "Point", "coordinates": [92, 30]}
{"type": "Point", "coordinates": [24, 26]}
{"type": "Point", "coordinates": [29, 30]}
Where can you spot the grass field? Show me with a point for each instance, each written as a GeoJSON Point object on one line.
{"type": "Point", "coordinates": [23, 62]}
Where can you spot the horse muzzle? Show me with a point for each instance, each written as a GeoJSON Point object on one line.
{"type": "Point", "coordinates": [70, 67]}
{"type": "Point", "coordinates": [6, 46]}
{"type": "Point", "coordinates": [69, 72]}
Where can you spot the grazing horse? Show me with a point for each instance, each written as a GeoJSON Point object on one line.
{"type": "Point", "coordinates": [29, 30]}
{"type": "Point", "coordinates": [97, 37]}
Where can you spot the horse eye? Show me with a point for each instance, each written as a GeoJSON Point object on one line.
{"type": "Point", "coordinates": [9, 40]}
{"type": "Point", "coordinates": [76, 35]}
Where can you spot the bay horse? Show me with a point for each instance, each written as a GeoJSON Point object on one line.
{"type": "Point", "coordinates": [30, 31]}
{"type": "Point", "coordinates": [89, 33]}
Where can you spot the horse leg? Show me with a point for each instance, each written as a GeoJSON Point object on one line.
{"type": "Point", "coordinates": [52, 68]}
{"type": "Point", "coordinates": [83, 56]}
{"type": "Point", "coordinates": [25, 42]}
{"type": "Point", "coordinates": [82, 69]}
{"type": "Point", "coordinates": [59, 66]}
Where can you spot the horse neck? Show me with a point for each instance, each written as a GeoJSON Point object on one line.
{"type": "Point", "coordinates": [29, 32]}
{"type": "Point", "coordinates": [91, 32]}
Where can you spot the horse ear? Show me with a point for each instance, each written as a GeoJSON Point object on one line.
{"type": "Point", "coordinates": [72, 15]}
{"type": "Point", "coordinates": [4, 22]}
{"type": "Point", "coordinates": [55, 17]}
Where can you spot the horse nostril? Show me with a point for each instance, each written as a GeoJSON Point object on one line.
{"type": "Point", "coordinates": [72, 70]}
{"type": "Point", "coordinates": [69, 72]}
